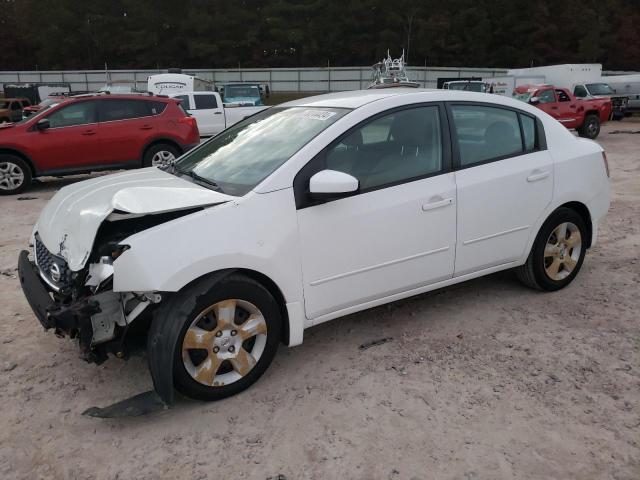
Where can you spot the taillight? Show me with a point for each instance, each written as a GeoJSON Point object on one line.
{"type": "Point", "coordinates": [187, 121]}
{"type": "Point", "coordinates": [606, 163]}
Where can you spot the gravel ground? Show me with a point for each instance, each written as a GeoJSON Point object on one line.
{"type": "Point", "coordinates": [484, 380]}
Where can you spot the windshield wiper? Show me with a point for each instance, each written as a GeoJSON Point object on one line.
{"type": "Point", "coordinates": [200, 179]}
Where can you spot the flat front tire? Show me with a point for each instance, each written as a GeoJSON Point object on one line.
{"type": "Point", "coordinates": [226, 340]}
{"type": "Point", "coordinates": [557, 253]}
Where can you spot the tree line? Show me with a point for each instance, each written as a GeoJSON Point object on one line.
{"type": "Point", "coordinates": [87, 34]}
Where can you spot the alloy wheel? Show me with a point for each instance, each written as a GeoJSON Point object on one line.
{"type": "Point", "coordinates": [11, 176]}
{"type": "Point", "coordinates": [162, 158]}
{"type": "Point", "coordinates": [562, 251]}
{"type": "Point", "coordinates": [224, 342]}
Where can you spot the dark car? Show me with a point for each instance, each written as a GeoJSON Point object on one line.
{"type": "Point", "coordinates": [94, 132]}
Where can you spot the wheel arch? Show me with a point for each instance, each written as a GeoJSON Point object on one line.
{"type": "Point", "coordinates": [582, 210]}
{"type": "Point", "coordinates": [19, 154]}
{"type": "Point", "coordinates": [263, 280]}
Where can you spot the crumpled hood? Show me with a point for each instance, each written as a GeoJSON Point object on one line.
{"type": "Point", "coordinates": [68, 224]}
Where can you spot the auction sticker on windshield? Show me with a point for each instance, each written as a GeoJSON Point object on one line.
{"type": "Point", "coordinates": [314, 114]}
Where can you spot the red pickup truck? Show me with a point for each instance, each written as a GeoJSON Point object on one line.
{"type": "Point", "coordinates": [584, 115]}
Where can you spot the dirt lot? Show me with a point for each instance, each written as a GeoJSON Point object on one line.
{"type": "Point", "coordinates": [485, 380]}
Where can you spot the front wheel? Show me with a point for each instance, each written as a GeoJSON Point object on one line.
{"type": "Point", "coordinates": [557, 253]}
{"type": "Point", "coordinates": [227, 339]}
{"type": "Point", "coordinates": [590, 128]}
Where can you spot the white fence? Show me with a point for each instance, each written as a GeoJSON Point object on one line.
{"type": "Point", "coordinates": [315, 79]}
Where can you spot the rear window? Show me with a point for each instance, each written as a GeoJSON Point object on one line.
{"type": "Point", "coordinates": [205, 102]}
{"type": "Point", "coordinates": [157, 107]}
{"type": "Point", "coordinates": [112, 110]}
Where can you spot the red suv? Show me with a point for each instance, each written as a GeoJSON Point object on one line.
{"type": "Point", "coordinates": [94, 132]}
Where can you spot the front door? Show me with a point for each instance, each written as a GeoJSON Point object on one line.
{"type": "Point", "coordinates": [398, 232]}
{"type": "Point", "coordinates": [504, 183]}
{"type": "Point", "coordinates": [72, 141]}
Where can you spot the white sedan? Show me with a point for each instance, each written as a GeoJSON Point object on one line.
{"type": "Point", "coordinates": [307, 212]}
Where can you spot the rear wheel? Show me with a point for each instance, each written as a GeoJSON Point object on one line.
{"type": "Point", "coordinates": [160, 155]}
{"type": "Point", "coordinates": [15, 175]}
{"type": "Point", "coordinates": [557, 253]}
{"type": "Point", "coordinates": [591, 127]}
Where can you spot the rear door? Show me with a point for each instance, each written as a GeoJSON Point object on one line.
{"type": "Point", "coordinates": [126, 127]}
{"type": "Point", "coordinates": [504, 180]}
{"type": "Point", "coordinates": [208, 112]}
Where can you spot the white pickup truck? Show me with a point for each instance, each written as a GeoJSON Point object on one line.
{"type": "Point", "coordinates": [212, 116]}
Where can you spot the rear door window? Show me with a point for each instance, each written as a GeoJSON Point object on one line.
{"type": "Point", "coordinates": [205, 102]}
{"type": "Point", "coordinates": [113, 110]}
{"type": "Point", "coordinates": [486, 133]}
{"type": "Point", "coordinates": [546, 96]}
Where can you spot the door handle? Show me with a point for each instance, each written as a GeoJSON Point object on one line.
{"type": "Point", "coordinates": [146, 127]}
{"type": "Point", "coordinates": [217, 113]}
{"type": "Point", "coordinates": [537, 175]}
{"type": "Point", "coordinates": [89, 132]}
{"type": "Point", "coordinates": [438, 202]}
{"type": "Point", "coordinates": [554, 108]}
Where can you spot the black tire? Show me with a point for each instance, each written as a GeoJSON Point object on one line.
{"type": "Point", "coordinates": [156, 149]}
{"type": "Point", "coordinates": [10, 164]}
{"type": "Point", "coordinates": [591, 127]}
{"type": "Point", "coordinates": [533, 273]}
{"type": "Point", "coordinates": [196, 299]}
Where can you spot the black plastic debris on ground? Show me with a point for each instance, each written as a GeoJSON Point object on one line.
{"type": "Point", "coordinates": [632, 132]}
{"type": "Point", "coordinates": [375, 343]}
{"type": "Point", "coordinates": [27, 198]}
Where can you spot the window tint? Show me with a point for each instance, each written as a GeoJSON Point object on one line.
{"type": "Point", "coordinates": [80, 113]}
{"type": "Point", "coordinates": [204, 102]}
{"type": "Point", "coordinates": [185, 101]}
{"type": "Point", "coordinates": [485, 133]}
{"type": "Point", "coordinates": [397, 147]}
{"type": "Point", "coordinates": [546, 96]}
{"type": "Point", "coordinates": [111, 110]}
{"type": "Point", "coordinates": [157, 107]}
{"type": "Point", "coordinates": [562, 96]}
{"type": "Point", "coordinates": [529, 130]}
{"type": "Point", "coordinates": [580, 91]}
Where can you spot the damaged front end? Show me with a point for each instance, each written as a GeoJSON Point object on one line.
{"type": "Point", "coordinates": [81, 304]}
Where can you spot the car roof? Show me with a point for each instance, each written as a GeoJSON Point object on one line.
{"type": "Point", "coordinates": [357, 98]}
{"type": "Point", "coordinates": [121, 96]}
{"type": "Point", "coordinates": [351, 98]}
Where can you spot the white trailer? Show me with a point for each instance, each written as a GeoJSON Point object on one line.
{"type": "Point", "coordinates": [166, 83]}
{"type": "Point", "coordinates": [628, 85]}
{"type": "Point", "coordinates": [506, 84]}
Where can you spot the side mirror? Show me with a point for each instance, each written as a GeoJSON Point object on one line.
{"type": "Point", "coordinates": [329, 184]}
{"type": "Point", "coordinates": [43, 124]}
{"type": "Point", "coordinates": [534, 100]}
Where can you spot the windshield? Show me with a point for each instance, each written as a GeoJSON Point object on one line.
{"type": "Point", "coordinates": [468, 86]}
{"type": "Point", "coordinates": [600, 89]}
{"type": "Point", "coordinates": [524, 96]}
{"type": "Point", "coordinates": [242, 156]}
{"type": "Point", "coordinates": [241, 91]}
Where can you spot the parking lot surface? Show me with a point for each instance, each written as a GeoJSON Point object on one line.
{"type": "Point", "coordinates": [483, 380]}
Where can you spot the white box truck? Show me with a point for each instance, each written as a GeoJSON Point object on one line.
{"type": "Point", "coordinates": [506, 84]}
